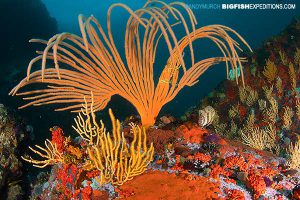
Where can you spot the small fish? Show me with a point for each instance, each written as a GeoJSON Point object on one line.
{"type": "Point", "coordinates": [233, 73]}
{"type": "Point", "coordinates": [206, 116]}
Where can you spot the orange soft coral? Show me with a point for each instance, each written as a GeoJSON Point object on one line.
{"type": "Point", "coordinates": [234, 194]}
{"type": "Point", "coordinates": [217, 170]}
{"type": "Point", "coordinates": [178, 165]}
{"type": "Point", "coordinates": [193, 135]}
{"type": "Point", "coordinates": [92, 174]}
{"type": "Point", "coordinates": [251, 160]}
{"type": "Point", "coordinates": [202, 157]}
{"type": "Point", "coordinates": [296, 195]}
{"type": "Point", "coordinates": [256, 183]}
{"type": "Point", "coordinates": [268, 171]}
{"type": "Point", "coordinates": [170, 187]}
{"type": "Point", "coordinates": [74, 151]}
{"type": "Point", "coordinates": [233, 162]}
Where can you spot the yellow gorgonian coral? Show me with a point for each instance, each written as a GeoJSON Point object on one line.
{"type": "Point", "coordinates": [86, 125]}
{"type": "Point", "coordinates": [294, 151]}
{"type": "Point", "coordinates": [262, 139]}
{"type": "Point", "coordinates": [297, 57]}
{"type": "Point", "coordinates": [293, 77]}
{"type": "Point", "coordinates": [50, 155]}
{"type": "Point", "coordinates": [298, 108]}
{"type": "Point", "coordinates": [117, 161]}
{"type": "Point", "coordinates": [270, 71]}
{"type": "Point", "coordinates": [284, 59]}
{"type": "Point", "coordinates": [287, 117]}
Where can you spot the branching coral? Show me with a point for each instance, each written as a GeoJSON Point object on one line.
{"type": "Point", "coordinates": [287, 117]}
{"type": "Point", "coordinates": [271, 138]}
{"type": "Point", "coordinates": [270, 114]}
{"type": "Point", "coordinates": [231, 133]}
{"type": "Point", "coordinates": [50, 154]}
{"type": "Point", "coordinates": [217, 125]}
{"type": "Point", "coordinates": [243, 94]}
{"type": "Point", "coordinates": [270, 71]}
{"type": "Point", "coordinates": [297, 57]}
{"type": "Point", "coordinates": [248, 95]}
{"type": "Point", "coordinates": [283, 58]}
{"type": "Point", "coordinates": [116, 162]}
{"type": "Point", "coordinates": [86, 124]}
{"type": "Point", "coordinates": [255, 139]}
{"type": "Point", "coordinates": [298, 108]}
{"type": "Point", "coordinates": [279, 88]}
{"type": "Point", "coordinates": [293, 77]}
{"type": "Point", "coordinates": [252, 98]}
{"type": "Point", "coordinates": [294, 151]}
{"type": "Point", "coordinates": [268, 91]}
{"type": "Point", "coordinates": [110, 154]}
{"type": "Point", "coordinates": [248, 127]}
{"type": "Point", "coordinates": [262, 139]}
{"type": "Point", "coordinates": [233, 111]}
{"type": "Point", "coordinates": [220, 127]}
{"type": "Point", "coordinates": [262, 104]}
{"type": "Point", "coordinates": [92, 62]}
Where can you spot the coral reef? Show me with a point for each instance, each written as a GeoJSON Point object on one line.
{"type": "Point", "coordinates": [11, 173]}
{"type": "Point", "coordinates": [265, 113]}
{"type": "Point", "coordinates": [242, 142]}
{"type": "Point", "coordinates": [208, 167]}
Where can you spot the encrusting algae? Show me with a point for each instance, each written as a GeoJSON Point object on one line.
{"type": "Point", "coordinates": [189, 187]}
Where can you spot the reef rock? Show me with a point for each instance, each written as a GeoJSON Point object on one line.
{"type": "Point", "coordinates": [10, 166]}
